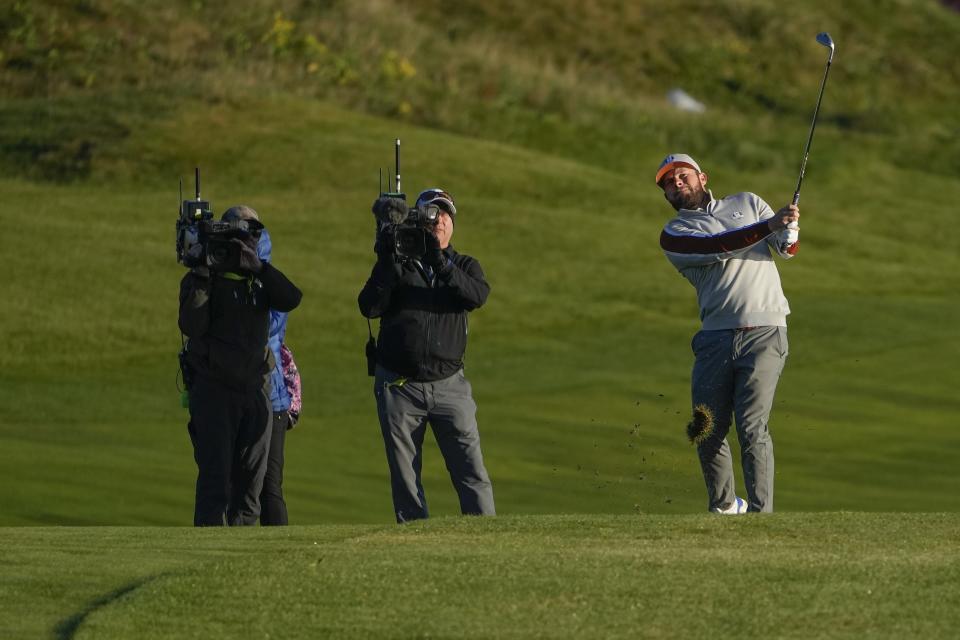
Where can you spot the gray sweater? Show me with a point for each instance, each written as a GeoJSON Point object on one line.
{"type": "Point", "coordinates": [724, 250]}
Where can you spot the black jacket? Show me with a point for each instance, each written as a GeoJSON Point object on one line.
{"type": "Point", "coordinates": [228, 320]}
{"type": "Point", "coordinates": [423, 325]}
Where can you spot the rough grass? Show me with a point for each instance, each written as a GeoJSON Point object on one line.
{"type": "Point", "coordinates": [583, 80]}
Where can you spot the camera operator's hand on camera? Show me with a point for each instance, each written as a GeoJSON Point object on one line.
{"type": "Point", "coordinates": [383, 246]}
{"type": "Point", "coordinates": [194, 255]}
{"type": "Point", "coordinates": [387, 269]}
{"type": "Point", "coordinates": [249, 261]}
{"type": "Point", "coordinates": [387, 209]}
{"type": "Point", "coordinates": [434, 255]}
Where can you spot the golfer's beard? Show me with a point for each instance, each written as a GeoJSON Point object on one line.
{"type": "Point", "coordinates": [689, 200]}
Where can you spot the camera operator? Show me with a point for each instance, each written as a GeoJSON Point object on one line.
{"type": "Point", "coordinates": [422, 303]}
{"type": "Point", "coordinates": [226, 316]}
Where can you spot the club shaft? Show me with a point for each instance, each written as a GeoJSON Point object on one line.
{"type": "Point", "coordinates": [813, 126]}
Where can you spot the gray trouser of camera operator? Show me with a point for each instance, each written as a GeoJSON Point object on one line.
{"type": "Point", "coordinates": [404, 408]}
{"type": "Point", "coordinates": [735, 374]}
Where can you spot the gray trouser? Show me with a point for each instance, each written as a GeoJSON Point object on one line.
{"type": "Point", "coordinates": [736, 372]}
{"type": "Point", "coordinates": [404, 408]}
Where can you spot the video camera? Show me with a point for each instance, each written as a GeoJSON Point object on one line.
{"type": "Point", "coordinates": [205, 242]}
{"type": "Point", "coordinates": [406, 227]}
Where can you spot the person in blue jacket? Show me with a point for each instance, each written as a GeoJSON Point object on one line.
{"type": "Point", "coordinates": [273, 508]}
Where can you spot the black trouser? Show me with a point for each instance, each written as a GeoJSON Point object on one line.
{"type": "Point", "coordinates": [230, 431]}
{"type": "Point", "coordinates": [273, 508]}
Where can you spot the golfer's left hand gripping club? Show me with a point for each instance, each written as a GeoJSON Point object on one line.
{"type": "Point", "coordinates": [824, 39]}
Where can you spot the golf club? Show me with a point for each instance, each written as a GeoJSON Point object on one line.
{"type": "Point", "coordinates": [824, 39]}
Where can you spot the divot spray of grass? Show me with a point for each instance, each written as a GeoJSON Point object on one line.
{"type": "Point", "coordinates": [700, 428]}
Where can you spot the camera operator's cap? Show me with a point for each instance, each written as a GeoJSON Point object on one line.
{"type": "Point", "coordinates": [240, 212]}
{"type": "Point", "coordinates": [675, 160]}
{"type": "Point", "coordinates": [246, 214]}
{"type": "Point", "coordinates": [438, 197]}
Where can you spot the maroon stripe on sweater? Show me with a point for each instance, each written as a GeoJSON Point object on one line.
{"type": "Point", "coordinates": [704, 245]}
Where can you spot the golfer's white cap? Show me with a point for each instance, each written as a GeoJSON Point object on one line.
{"type": "Point", "coordinates": [675, 160]}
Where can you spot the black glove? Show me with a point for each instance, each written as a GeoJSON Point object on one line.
{"type": "Point", "coordinates": [433, 256]}
{"type": "Point", "coordinates": [384, 246]}
{"type": "Point", "coordinates": [249, 261]}
{"type": "Point", "coordinates": [193, 256]}
{"type": "Point", "coordinates": [390, 210]}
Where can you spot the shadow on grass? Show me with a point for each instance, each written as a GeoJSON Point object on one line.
{"type": "Point", "coordinates": [67, 629]}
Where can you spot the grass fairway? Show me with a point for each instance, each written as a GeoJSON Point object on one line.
{"type": "Point", "coordinates": [798, 575]}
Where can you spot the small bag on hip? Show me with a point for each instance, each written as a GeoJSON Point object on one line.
{"type": "Point", "coordinates": [291, 380]}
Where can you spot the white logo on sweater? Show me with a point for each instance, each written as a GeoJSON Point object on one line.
{"type": "Point", "coordinates": [737, 214]}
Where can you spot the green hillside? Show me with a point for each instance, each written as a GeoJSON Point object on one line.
{"type": "Point", "coordinates": [547, 125]}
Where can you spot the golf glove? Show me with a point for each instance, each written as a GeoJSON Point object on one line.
{"type": "Point", "coordinates": [789, 236]}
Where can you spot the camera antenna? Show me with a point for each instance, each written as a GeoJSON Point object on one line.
{"type": "Point", "coordinates": [180, 201]}
{"type": "Point", "coordinates": [196, 182]}
{"type": "Point", "coordinates": [397, 155]}
{"type": "Point", "coordinates": [385, 179]}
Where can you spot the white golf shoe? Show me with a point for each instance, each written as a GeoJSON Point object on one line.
{"type": "Point", "coordinates": [739, 506]}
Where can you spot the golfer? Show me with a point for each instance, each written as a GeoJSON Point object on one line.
{"type": "Point", "coordinates": [724, 248]}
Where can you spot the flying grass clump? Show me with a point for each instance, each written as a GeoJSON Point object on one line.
{"type": "Point", "coordinates": [700, 428]}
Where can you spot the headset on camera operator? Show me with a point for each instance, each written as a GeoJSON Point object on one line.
{"type": "Point", "coordinates": [422, 290]}
{"type": "Point", "coordinates": [225, 304]}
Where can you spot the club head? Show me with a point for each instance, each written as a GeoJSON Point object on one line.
{"type": "Point", "coordinates": [824, 38]}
